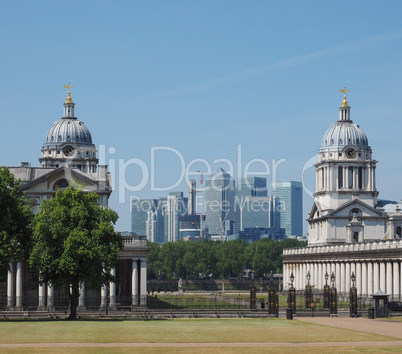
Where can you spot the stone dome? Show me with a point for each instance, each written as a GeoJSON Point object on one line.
{"type": "Point", "coordinates": [68, 130]}
{"type": "Point", "coordinates": [344, 133]}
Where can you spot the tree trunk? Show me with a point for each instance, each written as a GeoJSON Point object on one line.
{"type": "Point", "coordinates": [74, 296]}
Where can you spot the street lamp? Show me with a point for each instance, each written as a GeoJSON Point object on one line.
{"type": "Point", "coordinates": [333, 279]}
{"type": "Point", "coordinates": [353, 279]}
{"type": "Point", "coordinates": [308, 277]}
{"type": "Point", "coordinates": [292, 278]}
{"type": "Point", "coordinates": [326, 277]}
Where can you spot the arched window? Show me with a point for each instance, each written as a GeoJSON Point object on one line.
{"type": "Point", "coordinates": [355, 236]}
{"type": "Point", "coordinates": [398, 232]}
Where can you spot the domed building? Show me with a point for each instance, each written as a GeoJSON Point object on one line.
{"type": "Point", "coordinates": [345, 200]}
{"type": "Point", "coordinates": [349, 229]}
{"type": "Point", "coordinates": [68, 155]}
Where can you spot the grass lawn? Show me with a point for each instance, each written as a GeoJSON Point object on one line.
{"type": "Point", "coordinates": [176, 331]}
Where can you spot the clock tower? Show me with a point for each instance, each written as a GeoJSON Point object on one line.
{"type": "Point", "coordinates": [345, 184]}
{"type": "Point", "coordinates": [69, 143]}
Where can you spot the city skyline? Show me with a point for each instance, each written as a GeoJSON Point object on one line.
{"type": "Point", "coordinates": [203, 79]}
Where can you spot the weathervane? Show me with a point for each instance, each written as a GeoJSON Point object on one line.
{"type": "Point", "coordinates": [69, 99]}
{"type": "Point", "coordinates": [68, 86]}
{"type": "Point", "coordinates": [344, 102]}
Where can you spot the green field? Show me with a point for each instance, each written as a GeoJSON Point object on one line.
{"type": "Point", "coordinates": [94, 335]}
{"type": "Point", "coordinates": [175, 331]}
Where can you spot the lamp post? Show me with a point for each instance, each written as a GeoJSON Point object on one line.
{"type": "Point", "coordinates": [353, 297]}
{"type": "Point", "coordinates": [273, 302]}
{"type": "Point", "coordinates": [292, 295]}
{"type": "Point", "coordinates": [308, 292]}
{"type": "Point", "coordinates": [333, 300]}
{"type": "Point", "coordinates": [326, 292]}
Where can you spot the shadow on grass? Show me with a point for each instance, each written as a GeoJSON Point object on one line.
{"type": "Point", "coordinates": [81, 319]}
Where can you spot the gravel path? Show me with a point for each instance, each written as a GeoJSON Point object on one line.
{"type": "Point", "coordinates": [201, 345]}
{"type": "Point", "coordinates": [383, 327]}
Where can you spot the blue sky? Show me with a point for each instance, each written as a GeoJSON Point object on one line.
{"type": "Point", "coordinates": [202, 77]}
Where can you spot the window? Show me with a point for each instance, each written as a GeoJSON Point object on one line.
{"type": "Point", "coordinates": [350, 177]}
{"type": "Point", "coordinates": [356, 237]}
{"type": "Point", "coordinates": [340, 177]}
{"type": "Point", "coordinates": [398, 232]}
{"type": "Point", "coordinates": [360, 177]}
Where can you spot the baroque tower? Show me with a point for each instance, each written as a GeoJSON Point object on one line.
{"type": "Point", "coordinates": [345, 199]}
{"type": "Point", "coordinates": [69, 143]}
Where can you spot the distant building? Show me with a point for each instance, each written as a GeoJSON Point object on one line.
{"type": "Point", "coordinates": [254, 208]}
{"type": "Point", "coordinates": [253, 234]}
{"type": "Point", "coordinates": [176, 207]}
{"type": "Point", "coordinates": [252, 187]}
{"type": "Point", "coordinates": [291, 206]}
{"type": "Point", "coordinates": [192, 194]}
{"type": "Point", "coordinates": [139, 214]}
{"type": "Point", "coordinates": [219, 200]}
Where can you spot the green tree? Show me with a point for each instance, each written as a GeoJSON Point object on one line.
{"type": "Point", "coordinates": [74, 242]}
{"type": "Point", "coordinates": [15, 220]}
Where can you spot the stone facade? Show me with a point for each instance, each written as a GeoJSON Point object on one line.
{"type": "Point", "coordinates": [348, 230]}
{"type": "Point", "coordinates": [68, 156]}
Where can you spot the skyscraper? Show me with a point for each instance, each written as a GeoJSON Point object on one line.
{"type": "Point", "coordinates": [176, 206]}
{"type": "Point", "coordinates": [252, 187]}
{"type": "Point", "coordinates": [192, 193]}
{"type": "Point", "coordinates": [291, 206]}
{"type": "Point", "coordinates": [219, 202]}
{"type": "Point", "coordinates": [139, 214]}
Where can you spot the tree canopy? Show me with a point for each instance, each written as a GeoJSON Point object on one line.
{"type": "Point", "coordinates": [74, 242]}
{"type": "Point", "coordinates": [197, 260]}
{"type": "Point", "coordinates": [15, 219]}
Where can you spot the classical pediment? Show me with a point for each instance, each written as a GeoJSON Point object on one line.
{"type": "Point", "coordinates": [365, 210]}
{"type": "Point", "coordinates": [53, 180]}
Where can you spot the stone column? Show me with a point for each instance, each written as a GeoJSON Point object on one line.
{"type": "Point", "coordinates": [143, 289]}
{"type": "Point", "coordinates": [50, 298]}
{"type": "Point", "coordinates": [18, 288]}
{"type": "Point", "coordinates": [10, 287]}
{"type": "Point", "coordinates": [134, 285]}
{"type": "Point", "coordinates": [320, 276]}
{"type": "Point", "coordinates": [42, 297]}
{"type": "Point", "coordinates": [112, 300]}
{"type": "Point", "coordinates": [383, 276]}
{"type": "Point", "coordinates": [315, 275]}
{"type": "Point", "coordinates": [359, 278]}
{"type": "Point", "coordinates": [103, 304]}
{"type": "Point", "coordinates": [376, 277]}
{"type": "Point", "coordinates": [370, 281]}
{"type": "Point", "coordinates": [81, 300]}
{"type": "Point", "coordinates": [396, 291]}
{"type": "Point", "coordinates": [364, 291]}
{"type": "Point", "coordinates": [343, 280]}
{"type": "Point", "coordinates": [389, 278]}
{"type": "Point", "coordinates": [347, 278]}
{"type": "Point", "coordinates": [338, 278]}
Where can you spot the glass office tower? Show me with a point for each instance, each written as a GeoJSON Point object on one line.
{"type": "Point", "coordinates": [291, 206]}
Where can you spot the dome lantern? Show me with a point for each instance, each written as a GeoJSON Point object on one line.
{"type": "Point", "coordinates": [69, 104]}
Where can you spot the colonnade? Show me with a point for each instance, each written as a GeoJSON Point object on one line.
{"type": "Point", "coordinates": [345, 177]}
{"type": "Point", "coordinates": [16, 293]}
{"type": "Point", "coordinates": [371, 275]}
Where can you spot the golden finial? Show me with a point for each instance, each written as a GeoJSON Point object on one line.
{"type": "Point", "coordinates": [344, 102]}
{"type": "Point", "coordinates": [68, 99]}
